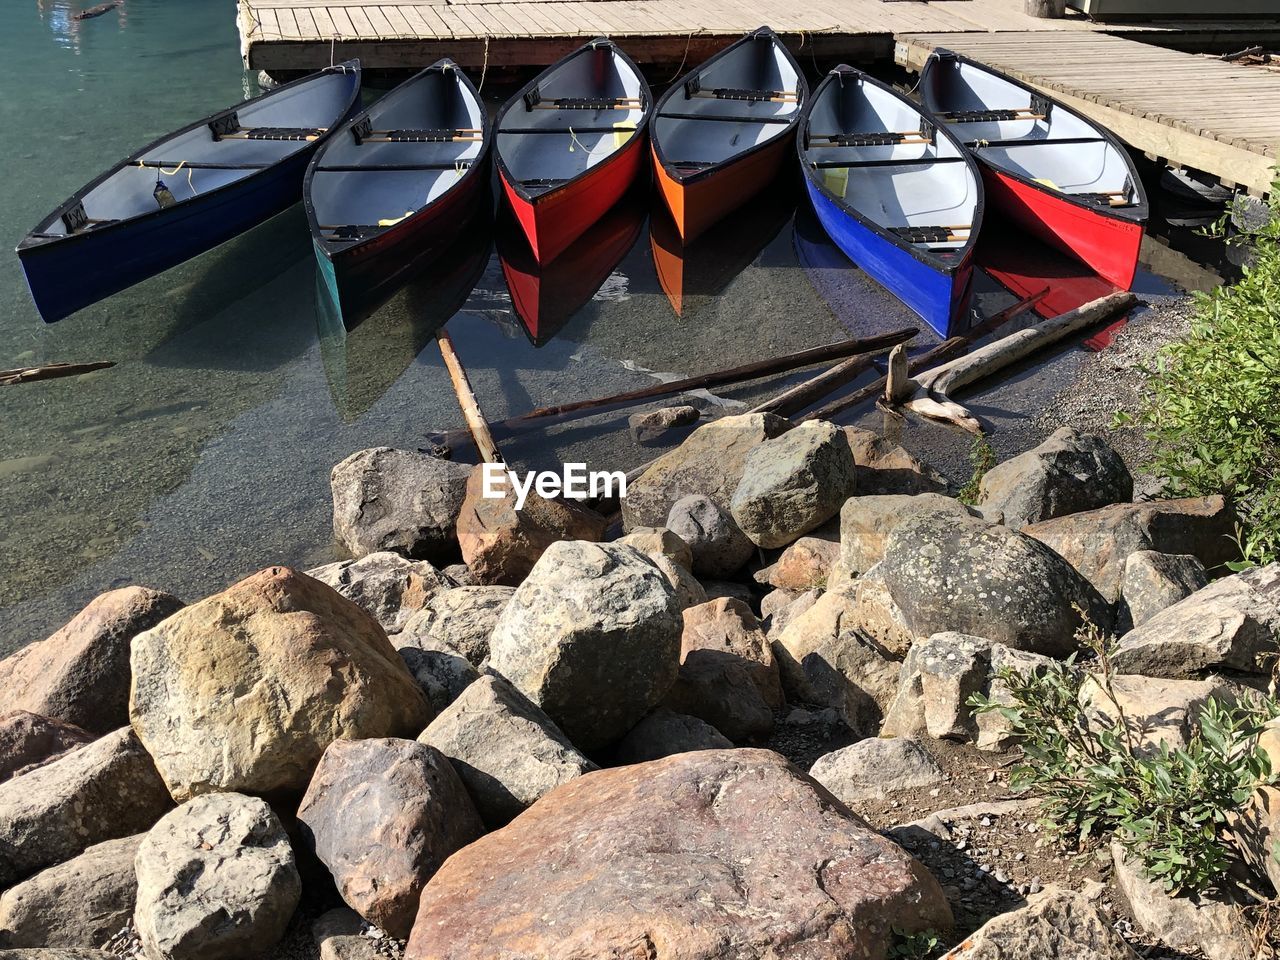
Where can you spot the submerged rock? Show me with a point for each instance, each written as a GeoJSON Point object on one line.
{"type": "Point", "coordinates": [679, 858]}
{"type": "Point", "coordinates": [716, 544]}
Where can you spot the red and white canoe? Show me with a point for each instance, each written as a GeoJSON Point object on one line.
{"type": "Point", "coordinates": [571, 143]}
{"type": "Point", "coordinates": [1058, 175]}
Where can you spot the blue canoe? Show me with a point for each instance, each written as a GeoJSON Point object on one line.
{"type": "Point", "coordinates": [898, 194]}
{"type": "Point", "coordinates": [185, 193]}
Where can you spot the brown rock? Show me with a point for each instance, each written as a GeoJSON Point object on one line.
{"type": "Point", "coordinates": [1256, 830]}
{"type": "Point", "coordinates": [867, 521]}
{"type": "Point", "coordinates": [28, 740]}
{"type": "Point", "coordinates": [1099, 542]}
{"type": "Point", "coordinates": [654, 542]}
{"type": "Point", "coordinates": [500, 544]}
{"type": "Point", "coordinates": [245, 689]}
{"type": "Point", "coordinates": [883, 467]}
{"type": "Point", "coordinates": [805, 564]}
{"type": "Point", "coordinates": [80, 674]}
{"type": "Point", "coordinates": [383, 816]}
{"type": "Point", "coordinates": [713, 853]}
{"type": "Point", "coordinates": [664, 734]}
{"type": "Point", "coordinates": [386, 585]}
{"type": "Point", "coordinates": [103, 791]}
{"type": "Point", "coordinates": [652, 426]}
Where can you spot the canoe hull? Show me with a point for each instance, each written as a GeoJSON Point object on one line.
{"type": "Point", "coordinates": [69, 274]}
{"type": "Point", "coordinates": [553, 221]}
{"type": "Point", "coordinates": [940, 298]}
{"type": "Point", "coordinates": [1108, 245]}
{"type": "Point", "coordinates": [700, 203]}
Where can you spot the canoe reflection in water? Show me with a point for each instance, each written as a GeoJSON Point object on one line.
{"type": "Point", "coordinates": [692, 275]}
{"type": "Point", "coordinates": [365, 355]}
{"type": "Point", "coordinates": [546, 297]}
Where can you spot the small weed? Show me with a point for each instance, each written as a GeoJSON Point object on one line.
{"type": "Point", "coordinates": [983, 457]}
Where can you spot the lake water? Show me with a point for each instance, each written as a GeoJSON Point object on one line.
{"type": "Point", "coordinates": [204, 453]}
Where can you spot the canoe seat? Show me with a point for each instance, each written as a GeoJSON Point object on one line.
{"type": "Point", "coordinates": [875, 139]}
{"type": "Point", "coordinates": [422, 136]}
{"type": "Point", "coordinates": [615, 129]}
{"type": "Point", "coordinates": [1117, 198]}
{"type": "Point", "coordinates": [990, 116]}
{"type": "Point", "coordinates": [533, 101]}
{"type": "Point", "coordinates": [543, 181]}
{"type": "Point", "coordinates": [928, 234]}
{"type": "Point", "coordinates": [726, 119]}
{"type": "Point", "coordinates": [693, 88]}
{"type": "Point", "coordinates": [692, 164]}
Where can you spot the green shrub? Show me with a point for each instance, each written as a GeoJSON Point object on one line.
{"type": "Point", "coordinates": [982, 456]}
{"type": "Point", "coordinates": [1168, 807]}
{"type": "Point", "coordinates": [1212, 408]}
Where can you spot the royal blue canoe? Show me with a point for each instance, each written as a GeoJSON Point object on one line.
{"type": "Point", "coordinates": [185, 193]}
{"type": "Point", "coordinates": [898, 194]}
{"type": "Point", "coordinates": [398, 184]}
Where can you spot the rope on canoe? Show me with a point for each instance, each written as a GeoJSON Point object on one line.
{"type": "Point", "coordinates": [142, 164]}
{"type": "Point", "coordinates": [484, 67]}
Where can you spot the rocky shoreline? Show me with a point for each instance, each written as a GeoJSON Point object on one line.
{"type": "Point", "coordinates": [733, 720]}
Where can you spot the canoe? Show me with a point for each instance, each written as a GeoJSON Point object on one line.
{"type": "Point", "coordinates": [397, 184]}
{"type": "Point", "coordinates": [900, 196]}
{"type": "Point", "coordinates": [1056, 174]}
{"type": "Point", "coordinates": [571, 142]}
{"type": "Point", "coordinates": [185, 193]}
{"type": "Point", "coordinates": [724, 131]}
{"type": "Point", "coordinates": [546, 297]}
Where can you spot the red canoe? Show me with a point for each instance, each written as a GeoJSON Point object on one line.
{"type": "Point", "coordinates": [1056, 174]}
{"type": "Point", "coordinates": [725, 130]}
{"type": "Point", "coordinates": [571, 143]}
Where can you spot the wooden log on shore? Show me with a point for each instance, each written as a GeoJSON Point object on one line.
{"type": "Point", "coordinates": [52, 371]}
{"type": "Point", "coordinates": [471, 412]}
{"type": "Point", "coordinates": [814, 389]}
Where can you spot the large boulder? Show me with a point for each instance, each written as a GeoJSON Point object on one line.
{"type": "Point", "coordinates": [705, 854]}
{"type": "Point", "coordinates": [383, 815]}
{"type": "Point", "coordinates": [1155, 710]}
{"type": "Point", "coordinates": [866, 522]}
{"type": "Point", "coordinates": [80, 674]}
{"type": "Point", "coordinates": [592, 637]}
{"type": "Point", "coordinates": [460, 619]}
{"type": "Point", "coordinates": [385, 585]}
{"type": "Point", "coordinates": [216, 881]}
{"type": "Point", "coordinates": [959, 573]}
{"type": "Point", "coordinates": [826, 660]}
{"type": "Point", "coordinates": [1154, 582]}
{"type": "Point", "coordinates": [83, 902]}
{"type": "Point", "coordinates": [500, 544]}
{"type": "Point", "coordinates": [689, 592]}
{"type": "Point", "coordinates": [727, 676]}
{"type": "Point", "coordinates": [882, 466]}
{"type": "Point", "coordinates": [1068, 473]}
{"type": "Point", "coordinates": [401, 500]}
{"type": "Point", "coordinates": [716, 544]}
{"type": "Point", "coordinates": [103, 791]}
{"type": "Point", "coordinates": [245, 689]}
{"type": "Point", "coordinates": [28, 741]}
{"type": "Point", "coordinates": [710, 463]}
{"type": "Point", "coordinates": [873, 767]}
{"type": "Point", "coordinates": [507, 751]}
{"type": "Point", "coordinates": [664, 733]}
{"type": "Point", "coordinates": [1057, 923]}
{"type": "Point", "coordinates": [793, 483]}
{"type": "Point", "coordinates": [1099, 542]}
{"type": "Point", "coordinates": [1231, 624]}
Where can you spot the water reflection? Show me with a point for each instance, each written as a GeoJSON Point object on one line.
{"type": "Point", "coordinates": [68, 21]}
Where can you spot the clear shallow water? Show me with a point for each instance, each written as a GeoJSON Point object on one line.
{"type": "Point", "coordinates": [205, 452]}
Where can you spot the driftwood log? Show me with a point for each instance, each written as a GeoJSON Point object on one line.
{"type": "Point", "coordinates": [471, 412]}
{"type": "Point", "coordinates": [52, 371]}
{"type": "Point", "coordinates": [809, 392]}
{"type": "Point", "coordinates": [929, 393]}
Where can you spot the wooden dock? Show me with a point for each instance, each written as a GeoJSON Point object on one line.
{"type": "Point", "coordinates": [1186, 110]}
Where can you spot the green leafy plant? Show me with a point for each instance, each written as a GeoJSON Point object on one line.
{"type": "Point", "coordinates": [923, 945]}
{"type": "Point", "coordinates": [1210, 408]}
{"type": "Point", "coordinates": [983, 457]}
{"type": "Point", "coordinates": [1168, 806]}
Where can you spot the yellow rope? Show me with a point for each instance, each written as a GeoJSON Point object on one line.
{"type": "Point", "coordinates": [174, 171]}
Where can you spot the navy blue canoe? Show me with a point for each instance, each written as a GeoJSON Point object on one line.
{"type": "Point", "coordinates": [185, 193]}
{"type": "Point", "coordinates": [897, 193]}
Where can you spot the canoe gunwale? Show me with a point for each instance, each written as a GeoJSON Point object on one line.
{"type": "Point", "coordinates": [33, 238]}
{"type": "Point", "coordinates": [924, 256]}
{"type": "Point", "coordinates": [1138, 212]}
{"type": "Point", "coordinates": [408, 225]}
{"type": "Point", "coordinates": [792, 123]}
{"type": "Point", "coordinates": [642, 126]}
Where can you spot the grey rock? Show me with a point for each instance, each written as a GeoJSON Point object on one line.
{"type": "Point", "coordinates": [460, 619]}
{"type": "Point", "coordinates": [592, 637]}
{"type": "Point", "coordinates": [867, 521]}
{"type": "Point", "coordinates": [1256, 830]}
{"type": "Point", "coordinates": [1234, 623]}
{"type": "Point", "coordinates": [340, 936]}
{"type": "Point", "coordinates": [689, 592]}
{"type": "Point", "coordinates": [103, 791]}
{"type": "Point", "coordinates": [28, 741]}
{"type": "Point", "coordinates": [652, 426]}
{"type": "Point", "coordinates": [1156, 710]}
{"type": "Point", "coordinates": [780, 607]}
{"type": "Point", "coordinates": [728, 590]}
{"type": "Point", "coordinates": [958, 573]}
{"type": "Point", "coordinates": [82, 902]}
{"type": "Point", "coordinates": [1154, 582]}
{"type": "Point", "coordinates": [216, 880]}
{"type": "Point", "coordinates": [1057, 923]}
{"type": "Point", "coordinates": [385, 585]}
{"type": "Point", "coordinates": [1068, 473]}
{"type": "Point", "coordinates": [382, 815]}
{"type": "Point", "coordinates": [793, 484]}
{"type": "Point", "coordinates": [718, 547]}
{"type": "Point", "coordinates": [875, 766]}
{"type": "Point", "coordinates": [663, 734]}
{"type": "Point", "coordinates": [441, 674]}
{"type": "Point", "coordinates": [507, 751]}
{"type": "Point", "coordinates": [401, 500]}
